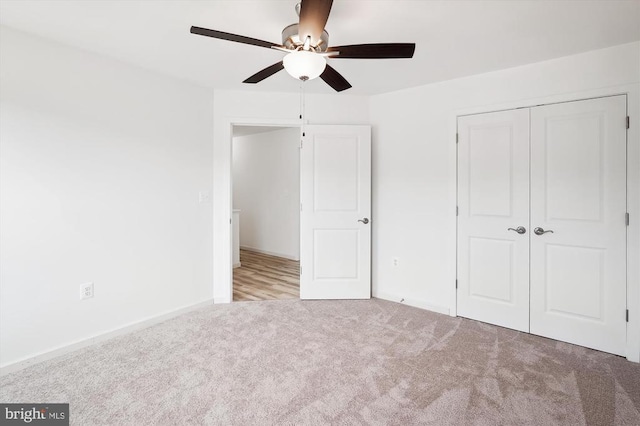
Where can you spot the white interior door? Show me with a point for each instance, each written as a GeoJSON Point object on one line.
{"type": "Point", "coordinates": [493, 202]}
{"type": "Point", "coordinates": [335, 217]}
{"type": "Point", "coordinates": [578, 197]}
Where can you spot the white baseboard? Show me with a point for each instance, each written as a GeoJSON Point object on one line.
{"type": "Point", "coordinates": [237, 265]}
{"type": "Point", "coordinates": [221, 299]}
{"type": "Point", "coordinates": [271, 253]}
{"type": "Point", "coordinates": [416, 303]}
{"type": "Point", "coordinates": [139, 325]}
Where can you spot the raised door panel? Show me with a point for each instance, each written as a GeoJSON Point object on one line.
{"type": "Point", "coordinates": [335, 173]}
{"type": "Point", "coordinates": [490, 170]}
{"type": "Point", "coordinates": [335, 254]}
{"type": "Point", "coordinates": [574, 282]}
{"type": "Point", "coordinates": [491, 270]}
{"type": "Point", "coordinates": [574, 161]}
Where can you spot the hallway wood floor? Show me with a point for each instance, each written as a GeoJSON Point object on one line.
{"type": "Point", "coordinates": [264, 277]}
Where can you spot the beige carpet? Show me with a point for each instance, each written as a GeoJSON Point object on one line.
{"type": "Point", "coordinates": [333, 362]}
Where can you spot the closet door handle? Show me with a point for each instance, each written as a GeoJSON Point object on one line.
{"type": "Point", "coordinates": [540, 231]}
{"type": "Point", "coordinates": [519, 229]}
{"type": "Point", "coordinates": [365, 220]}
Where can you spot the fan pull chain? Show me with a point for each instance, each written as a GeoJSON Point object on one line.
{"type": "Point", "coordinates": [302, 102]}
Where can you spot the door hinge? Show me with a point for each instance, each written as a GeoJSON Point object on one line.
{"type": "Point", "coordinates": [300, 206]}
{"type": "Point", "coordinates": [457, 211]}
{"type": "Point", "coordinates": [230, 221]}
{"type": "Point", "coordinates": [628, 121]}
{"type": "Point", "coordinates": [456, 138]}
{"type": "Point", "coordinates": [627, 315]}
{"type": "Point", "coordinates": [626, 218]}
{"type": "Point", "coordinates": [456, 284]}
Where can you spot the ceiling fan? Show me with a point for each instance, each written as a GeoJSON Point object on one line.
{"type": "Point", "coordinates": [307, 46]}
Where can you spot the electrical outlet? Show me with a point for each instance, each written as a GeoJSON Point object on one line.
{"type": "Point", "coordinates": [86, 291]}
{"type": "Point", "coordinates": [396, 261]}
{"type": "Point", "coordinates": [204, 197]}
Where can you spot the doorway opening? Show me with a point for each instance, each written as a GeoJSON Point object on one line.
{"type": "Point", "coordinates": [265, 174]}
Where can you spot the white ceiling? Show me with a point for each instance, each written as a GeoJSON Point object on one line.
{"type": "Point", "coordinates": [454, 38]}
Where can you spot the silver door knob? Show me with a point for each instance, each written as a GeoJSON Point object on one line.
{"type": "Point", "coordinates": [540, 231]}
{"type": "Point", "coordinates": [365, 220]}
{"type": "Point", "coordinates": [519, 229]}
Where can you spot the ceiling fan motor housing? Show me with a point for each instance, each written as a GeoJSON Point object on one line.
{"type": "Point", "coordinates": [291, 39]}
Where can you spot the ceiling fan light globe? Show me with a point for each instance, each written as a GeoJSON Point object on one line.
{"type": "Point", "coordinates": [303, 65]}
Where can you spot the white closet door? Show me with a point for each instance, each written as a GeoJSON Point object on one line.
{"type": "Point", "coordinates": [578, 185]}
{"type": "Point", "coordinates": [335, 228]}
{"type": "Point", "coordinates": [493, 196]}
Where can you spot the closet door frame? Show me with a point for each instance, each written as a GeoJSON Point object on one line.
{"type": "Point", "coordinates": [632, 92]}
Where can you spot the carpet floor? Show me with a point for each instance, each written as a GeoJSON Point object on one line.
{"type": "Point", "coordinates": [295, 362]}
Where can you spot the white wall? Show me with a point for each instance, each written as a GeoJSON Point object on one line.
{"type": "Point", "coordinates": [414, 163]}
{"type": "Point", "coordinates": [102, 162]}
{"type": "Point", "coordinates": [246, 108]}
{"type": "Point", "coordinates": [266, 188]}
{"type": "Point", "coordinates": [101, 166]}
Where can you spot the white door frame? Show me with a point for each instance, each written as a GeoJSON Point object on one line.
{"type": "Point", "coordinates": [633, 192]}
{"type": "Point", "coordinates": [222, 215]}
